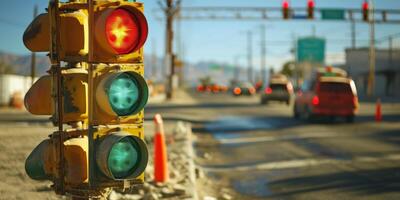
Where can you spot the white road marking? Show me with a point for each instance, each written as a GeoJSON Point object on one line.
{"type": "Point", "coordinates": [244, 140]}
{"type": "Point", "coordinates": [303, 163]}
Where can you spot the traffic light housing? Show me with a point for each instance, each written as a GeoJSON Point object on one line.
{"type": "Point", "coordinates": [100, 92]}
{"type": "Point", "coordinates": [285, 9]}
{"type": "Point", "coordinates": [120, 93]}
{"type": "Point", "coordinates": [365, 11]}
{"type": "Point", "coordinates": [310, 9]}
{"type": "Point", "coordinates": [38, 100]}
{"type": "Point", "coordinates": [73, 44]}
{"type": "Point", "coordinates": [120, 33]}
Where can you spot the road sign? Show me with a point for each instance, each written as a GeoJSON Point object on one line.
{"type": "Point", "coordinates": [311, 49]}
{"type": "Point", "coordinates": [333, 14]}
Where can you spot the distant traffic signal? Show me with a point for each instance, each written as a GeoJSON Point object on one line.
{"type": "Point", "coordinates": [365, 11]}
{"type": "Point", "coordinates": [286, 9]}
{"type": "Point", "coordinates": [310, 9]}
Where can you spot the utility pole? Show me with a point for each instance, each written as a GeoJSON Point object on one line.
{"type": "Point", "coordinates": [33, 55]}
{"type": "Point", "coordinates": [236, 72]}
{"type": "Point", "coordinates": [263, 54]}
{"type": "Point", "coordinates": [250, 56]}
{"type": "Point", "coordinates": [170, 9]}
{"type": "Point", "coordinates": [371, 77]}
{"type": "Point", "coordinates": [390, 50]}
{"type": "Point", "coordinates": [353, 34]}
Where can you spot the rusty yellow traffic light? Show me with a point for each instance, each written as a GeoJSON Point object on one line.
{"type": "Point", "coordinates": [73, 38]}
{"type": "Point", "coordinates": [99, 94]}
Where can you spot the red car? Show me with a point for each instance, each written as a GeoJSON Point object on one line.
{"type": "Point", "coordinates": [331, 96]}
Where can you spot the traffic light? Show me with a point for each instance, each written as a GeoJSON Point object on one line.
{"type": "Point", "coordinates": [120, 94]}
{"type": "Point", "coordinates": [365, 11]}
{"type": "Point", "coordinates": [310, 9]}
{"type": "Point", "coordinates": [41, 164]}
{"type": "Point", "coordinates": [285, 9]}
{"type": "Point", "coordinates": [99, 92]}
{"type": "Point", "coordinates": [73, 30]}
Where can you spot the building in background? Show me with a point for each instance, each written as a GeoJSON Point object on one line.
{"type": "Point", "coordinates": [387, 74]}
{"type": "Point", "coordinates": [11, 86]}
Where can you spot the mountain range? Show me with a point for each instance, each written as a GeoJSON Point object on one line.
{"type": "Point", "coordinates": [221, 73]}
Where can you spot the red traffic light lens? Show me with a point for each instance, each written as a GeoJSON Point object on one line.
{"type": "Point", "coordinates": [122, 31]}
{"type": "Point", "coordinates": [310, 3]}
{"type": "Point", "coordinates": [285, 4]}
{"type": "Point", "coordinates": [365, 5]}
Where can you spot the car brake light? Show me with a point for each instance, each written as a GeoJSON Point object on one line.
{"type": "Point", "coordinates": [268, 90]}
{"type": "Point", "coordinates": [237, 91]}
{"type": "Point", "coordinates": [252, 90]}
{"type": "Point", "coordinates": [315, 100]}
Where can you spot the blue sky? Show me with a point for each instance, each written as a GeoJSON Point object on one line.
{"type": "Point", "coordinates": [220, 40]}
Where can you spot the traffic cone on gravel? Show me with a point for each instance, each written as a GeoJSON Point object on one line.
{"type": "Point", "coordinates": [378, 112]}
{"type": "Point", "coordinates": [160, 152]}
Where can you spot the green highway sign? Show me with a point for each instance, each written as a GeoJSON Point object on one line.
{"type": "Point", "coordinates": [333, 14]}
{"type": "Point", "coordinates": [311, 49]}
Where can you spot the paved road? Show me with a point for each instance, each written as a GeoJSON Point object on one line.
{"type": "Point", "coordinates": [251, 151]}
{"type": "Point", "coordinates": [248, 151]}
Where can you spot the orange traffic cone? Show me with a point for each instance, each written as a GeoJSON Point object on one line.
{"type": "Point", "coordinates": [378, 112]}
{"type": "Point", "coordinates": [160, 152]}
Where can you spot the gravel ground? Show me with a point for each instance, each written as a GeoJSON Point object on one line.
{"type": "Point", "coordinates": [180, 166]}
{"type": "Point", "coordinates": [17, 140]}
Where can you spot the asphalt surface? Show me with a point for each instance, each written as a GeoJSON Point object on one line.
{"type": "Point", "coordinates": [250, 151]}
{"type": "Point", "coordinates": [245, 150]}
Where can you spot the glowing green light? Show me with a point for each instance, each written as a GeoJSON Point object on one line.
{"type": "Point", "coordinates": [123, 94]}
{"type": "Point", "coordinates": [123, 158]}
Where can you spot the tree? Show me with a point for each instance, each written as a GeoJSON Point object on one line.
{"type": "Point", "coordinates": [288, 69]}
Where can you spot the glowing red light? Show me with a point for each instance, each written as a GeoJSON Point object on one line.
{"type": "Point", "coordinates": [200, 88]}
{"type": "Point", "coordinates": [365, 5]}
{"type": "Point", "coordinates": [122, 31]}
{"type": "Point", "coordinates": [285, 4]}
{"type": "Point", "coordinates": [315, 100]}
{"type": "Point", "coordinates": [268, 90]}
{"type": "Point", "coordinates": [311, 3]}
{"type": "Point", "coordinates": [237, 91]}
{"type": "Point", "coordinates": [252, 90]}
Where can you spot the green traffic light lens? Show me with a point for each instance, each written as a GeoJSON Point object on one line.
{"type": "Point", "coordinates": [123, 94]}
{"type": "Point", "coordinates": [123, 158]}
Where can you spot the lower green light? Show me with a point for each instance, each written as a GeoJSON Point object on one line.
{"type": "Point", "coordinates": [123, 158]}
